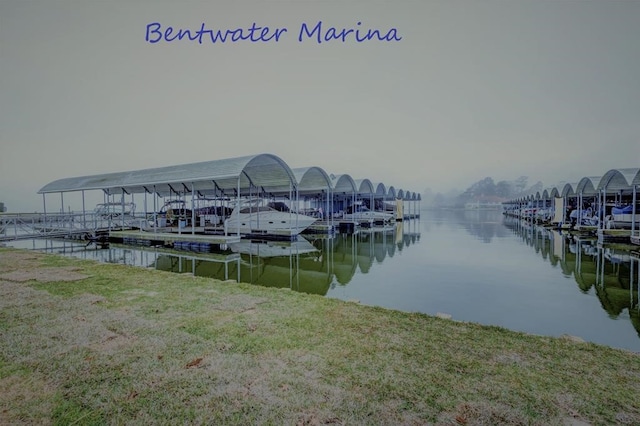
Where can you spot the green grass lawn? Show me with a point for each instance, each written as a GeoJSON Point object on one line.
{"type": "Point", "coordinates": [89, 343]}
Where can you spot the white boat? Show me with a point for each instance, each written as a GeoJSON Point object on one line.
{"type": "Point", "coordinates": [264, 220]}
{"type": "Point", "coordinates": [363, 214]}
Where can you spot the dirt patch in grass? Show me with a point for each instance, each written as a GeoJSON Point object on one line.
{"type": "Point", "coordinates": [44, 275]}
{"type": "Point", "coordinates": [481, 414]}
{"type": "Point", "coordinates": [12, 260]}
{"type": "Point", "coordinates": [32, 393]}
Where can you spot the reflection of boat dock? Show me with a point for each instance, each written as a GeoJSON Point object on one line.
{"type": "Point", "coordinates": [320, 227]}
{"type": "Point", "coordinates": [165, 238]}
{"type": "Point", "coordinates": [606, 236]}
{"type": "Point", "coordinates": [221, 257]}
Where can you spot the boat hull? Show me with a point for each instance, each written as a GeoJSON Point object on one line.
{"type": "Point", "coordinates": [268, 223]}
{"type": "Point", "coordinates": [369, 216]}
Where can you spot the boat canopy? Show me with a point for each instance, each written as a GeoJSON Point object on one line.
{"type": "Point", "coordinates": [620, 179]}
{"type": "Point", "coordinates": [615, 180]}
{"type": "Point", "coordinates": [232, 177]}
{"type": "Point", "coordinates": [588, 185]}
{"type": "Point", "coordinates": [550, 193]}
{"type": "Point", "coordinates": [381, 190]}
{"type": "Point", "coordinates": [391, 192]}
{"type": "Point", "coordinates": [217, 177]}
{"type": "Point", "coordinates": [568, 190]}
{"type": "Point", "coordinates": [312, 180]}
{"type": "Point", "coordinates": [365, 187]}
{"type": "Point", "coordinates": [343, 183]}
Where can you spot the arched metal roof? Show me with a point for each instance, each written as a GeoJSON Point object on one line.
{"type": "Point", "coordinates": [400, 194]}
{"type": "Point", "coordinates": [568, 190]}
{"type": "Point", "coordinates": [312, 179]}
{"type": "Point", "coordinates": [391, 192]}
{"type": "Point", "coordinates": [381, 190]}
{"type": "Point", "coordinates": [636, 179]}
{"type": "Point", "coordinates": [263, 171]}
{"type": "Point", "coordinates": [588, 185]}
{"type": "Point", "coordinates": [550, 193]}
{"type": "Point", "coordinates": [619, 179]}
{"type": "Point", "coordinates": [365, 187]}
{"type": "Point", "coordinates": [545, 194]}
{"type": "Point", "coordinates": [343, 183]}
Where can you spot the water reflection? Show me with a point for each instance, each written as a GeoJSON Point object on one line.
{"type": "Point", "coordinates": [310, 265]}
{"type": "Point", "coordinates": [484, 225]}
{"type": "Point", "coordinates": [307, 265]}
{"type": "Point", "coordinates": [612, 274]}
{"type": "Point", "coordinates": [474, 265]}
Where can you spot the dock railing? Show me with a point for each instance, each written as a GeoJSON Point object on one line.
{"type": "Point", "coordinates": [16, 226]}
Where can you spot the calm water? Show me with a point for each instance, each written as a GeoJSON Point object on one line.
{"type": "Point", "coordinates": [475, 266]}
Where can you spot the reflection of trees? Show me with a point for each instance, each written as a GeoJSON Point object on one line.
{"type": "Point", "coordinates": [482, 224]}
{"type": "Point", "coordinates": [614, 275]}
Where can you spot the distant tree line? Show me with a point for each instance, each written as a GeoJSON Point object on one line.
{"type": "Point", "coordinates": [484, 190]}
{"type": "Point", "coordinates": [2, 208]}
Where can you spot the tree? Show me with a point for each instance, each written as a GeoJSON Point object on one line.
{"type": "Point", "coordinates": [504, 189]}
{"type": "Point", "coordinates": [520, 184]}
{"type": "Point", "coordinates": [538, 187]}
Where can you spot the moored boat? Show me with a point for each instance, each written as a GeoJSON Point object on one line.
{"type": "Point", "coordinates": [253, 219]}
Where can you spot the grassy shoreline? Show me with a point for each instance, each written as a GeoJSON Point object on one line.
{"type": "Point", "coordinates": [89, 343]}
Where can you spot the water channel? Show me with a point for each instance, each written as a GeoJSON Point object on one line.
{"type": "Point", "coordinates": [473, 265]}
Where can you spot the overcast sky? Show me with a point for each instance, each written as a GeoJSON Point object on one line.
{"type": "Point", "coordinates": [546, 89]}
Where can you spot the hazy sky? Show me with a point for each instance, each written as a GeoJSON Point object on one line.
{"type": "Point", "coordinates": [547, 89]}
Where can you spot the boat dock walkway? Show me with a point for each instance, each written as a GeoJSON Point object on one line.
{"type": "Point", "coordinates": [21, 226]}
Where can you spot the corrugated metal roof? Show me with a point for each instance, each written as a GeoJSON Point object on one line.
{"type": "Point", "coordinates": [550, 193]}
{"type": "Point", "coordinates": [312, 179]}
{"type": "Point", "coordinates": [619, 179]}
{"type": "Point", "coordinates": [588, 185]}
{"type": "Point", "coordinates": [255, 173]}
{"type": "Point", "coordinates": [365, 187]}
{"type": "Point", "coordinates": [264, 171]}
{"type": "Point", "coordinates": [343, 183]}
{"type": "Point", "coordinates": [613, 180]}
{"type": "Point", "coordinates": [391, 192]}
{"type": "Point", "coordinates": [568, 189]}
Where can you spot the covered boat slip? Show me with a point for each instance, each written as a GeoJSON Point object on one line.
{"type": "Point", "coordinates": [202, 197]}
{"type": "Point", "coordinates": [607, 206]}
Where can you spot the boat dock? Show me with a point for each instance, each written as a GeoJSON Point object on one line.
{"type": "Point", "coordinates": [21, 226]}
{"type": "Point", "coordinates": [606, 207]}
